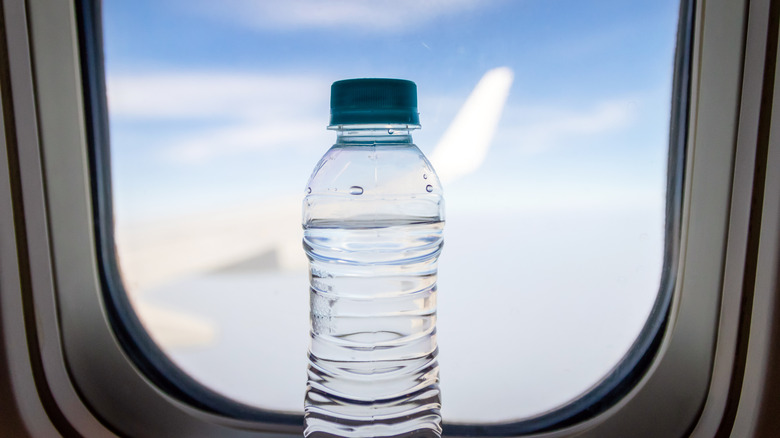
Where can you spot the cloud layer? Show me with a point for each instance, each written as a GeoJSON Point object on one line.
{"type": "Point", "coordinates": [204, 94]}
{"type": "Point", "coordinates": [234, 112]}
{"type": "Point", "coordinates": [238, 111]}
{"type": "Point", "coordinates": [537, 128]}
{"type": "Point", "coordinates": [375, 16]}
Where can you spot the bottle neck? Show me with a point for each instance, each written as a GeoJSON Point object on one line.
{"type": "Point", "coordinates": [373, 134]}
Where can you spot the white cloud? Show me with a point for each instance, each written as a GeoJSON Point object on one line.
{"type": "Point", "coordinates": [183, 95]}
{"type": "Point", "coordinates": [371, 16]}
{"type": "Point", "coordinates": [245, 111]}
{"type": "Point", "coordinates": [257, 111]}
{"type": "Point", "coordinates": [198, 147]}
{"type": "Point", "coordinates": [537, 128]}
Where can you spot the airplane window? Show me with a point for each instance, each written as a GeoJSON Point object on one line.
{"type": "Point", "coordinates": [548, 122]}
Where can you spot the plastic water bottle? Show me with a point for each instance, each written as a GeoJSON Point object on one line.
{"type": "Point", "coordinates": [373, 218]}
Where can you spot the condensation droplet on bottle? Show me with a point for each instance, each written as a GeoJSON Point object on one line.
{"type": "Point", "coordinates": [425, 176]}
{"type": "Point", "coordinates": [429, 188]}
{"type": "Point", "coordinates": [356, 190]}
{"type": "Point", "coordinates": [308, 190]}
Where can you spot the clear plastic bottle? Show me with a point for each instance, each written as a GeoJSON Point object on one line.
{"type": "Point", "coordinates": [373, 218]}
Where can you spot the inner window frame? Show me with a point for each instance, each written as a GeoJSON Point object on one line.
{"type": "Point", "coordinates": [157, 367]}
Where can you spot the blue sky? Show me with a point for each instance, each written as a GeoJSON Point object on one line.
{"type": "Point", "coordinates": [589, 103]}
{"type": "Point", "coordinates": [612, 46]}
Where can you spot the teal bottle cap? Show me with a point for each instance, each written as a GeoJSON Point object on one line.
{"type": "Point", "coordinates": [373, 102]}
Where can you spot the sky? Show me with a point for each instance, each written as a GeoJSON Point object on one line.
{"type": "Point", "coordinates": [216, 105]}
{"type": "Point", "coordinates": [202, 93]}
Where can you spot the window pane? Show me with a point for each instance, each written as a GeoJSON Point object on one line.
{"type": "Point", "coordinates": [547, 121]}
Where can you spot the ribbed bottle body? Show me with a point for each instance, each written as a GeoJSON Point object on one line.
{"type": "Point", "coordinates": [373, 220]}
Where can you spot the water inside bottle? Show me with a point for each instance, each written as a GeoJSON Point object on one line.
{"type": "Point", "coordinates": [372, 360]}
